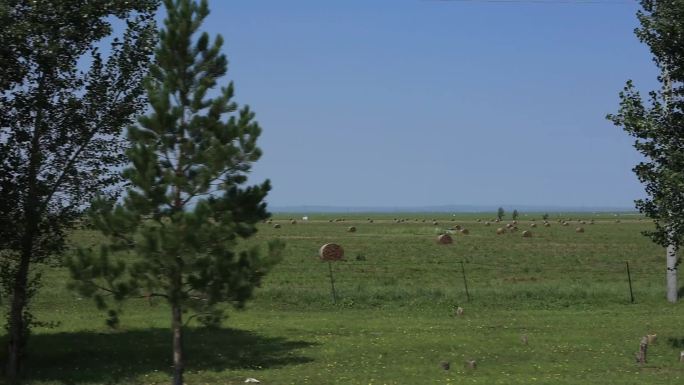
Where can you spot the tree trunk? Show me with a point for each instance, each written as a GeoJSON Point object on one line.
{"type": "Point", "coordinates": [16, 320]}
{"type": "Point", "coordinates": [17, 324]}
{"type": "Point", "coordinates": [178, 360]}
{"type": "Point", "coordinates": [672, 274]}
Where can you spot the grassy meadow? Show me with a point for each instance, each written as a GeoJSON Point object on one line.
{"type": "Point", "coordinates": [394, 320]}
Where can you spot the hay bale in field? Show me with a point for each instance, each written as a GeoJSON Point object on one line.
{"type": "Point", "coordinates": [370, 221]}
{"type": "Point", "coordinates": [458, 311]}
{"type": "Point", "coordinates": [457, 227]}
{"type": "Point", "coordinates": [465, 231]}
{"type": "Point", "coordinates": [565, 223]}
{"type": "Point", "coordinates": [500, 231]}
{"type": "Point", "coordinates": [547, 224]}
{"type": "Point", "coordinates": [533, 225]}
{"type": "Point", "coordinates": [471, 364]}
{"type": "Point", "coordinates": [331, 252]}
{"type": "Point", "coordinates": [527, 234]}
{"type": "Point", "coordinates": [651, 338]}
{"type": "Point", "coordinates": [508, 225]}
{"type": "Point", "coordinates": [293, 222]}
{"type": "Point", "coordinates": [514, 228]}
{"type": "Point", "coordinates": [434, 223]}
{"type": "Point", "coordinates": [351, 229]}
{"type": "Point", "coordinates": [579, 230]}
{"type": "Point", "coordinates": [617, 221]}
{"type": "Point", "coordinates": [479, 220]}
{"type": "Point", "coordinates": [276, 226]}
{"type": "Point", "coordinates": [445, 239]}
{"type": "Point", "coordinates": [583, 223]}
{"type": "Point", "coordinates": [487, 224]}
{"type": "Point", "coordinates": [515, 222]}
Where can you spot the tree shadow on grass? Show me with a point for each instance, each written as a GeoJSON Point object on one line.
{"type": "Point", "coordinates": [78, 357]}
{"type": "Point", "coordinates": [676, 343]}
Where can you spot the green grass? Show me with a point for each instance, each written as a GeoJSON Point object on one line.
{"type": "Point", "coordinates": [394, 323]}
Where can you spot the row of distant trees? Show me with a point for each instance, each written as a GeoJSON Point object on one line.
{"type": "Point", "coordinates": [501, 213]}
{"type": "Point", "coordinates": [67, 132]}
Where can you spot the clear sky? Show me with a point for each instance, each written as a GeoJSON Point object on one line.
{"type": "Point", "coordinates": [416, 102]}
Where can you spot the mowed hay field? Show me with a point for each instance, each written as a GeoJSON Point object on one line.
{"type": "Point", "coordinates": [394, 321]}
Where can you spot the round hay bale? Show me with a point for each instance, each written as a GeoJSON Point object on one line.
{"type": "Point", "coordinates": [331, 252]}
{"type": "Point", "coordinates": [527, 234]}
{"type": "Point", "coordinates": [514, 228]}
{"type": "Point", "coordinates": [487, 224]}
{"type": "Point", "coordinates": [508, 225]}
{"type": "Point", "coordinates": [500, 231]}
{"type": "Point", "coordinates": [583, 223]}
{"type": "Point", "coordinates": [457, 227]}
{"type": "Point", "coordinates": [579, 230]}
{"type": "Point", "coordinates": [465, 231]}
{"type": "Point", "coordinates": [547, 224]}
{"type": "Point", "coordinates": [445, 239]}
{"type": "Point", "coordinates": [515, 222]}
{"type": "Point", "coordinates": [269, 221]}
{"type": "Point", "coordinates": [617, 221]}
{"type": "Point", "coordinates": [276, 226]}
{"type": "Point", "coordinates": [533, 225]}
{"type": "Point", "coordinates": [351, 229]}
{"type": "Point", "coordinates": [293, 222]}
{"type": "Point", "coordinates": [565, 224]}
{"type": "Point", "coordinates": [479, 220]}
{"type": "Point", "coordinates": [434, 223]}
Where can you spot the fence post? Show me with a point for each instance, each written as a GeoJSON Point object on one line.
{"type": "Point", "coordinates": [629, 278]}
{"type": "Point", "coordinates": [465, 282]}
{"type": "Point", "coordinates": [332, 283]}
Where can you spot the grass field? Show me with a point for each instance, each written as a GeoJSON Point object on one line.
{"type": "Point", "coordinates": [394, 321]}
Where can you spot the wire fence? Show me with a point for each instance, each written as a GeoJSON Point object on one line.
{"type": "Point", "coordinates": [467, 275]}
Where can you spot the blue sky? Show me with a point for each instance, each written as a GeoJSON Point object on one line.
{"type": "Point", "coordinates": [413, 103]}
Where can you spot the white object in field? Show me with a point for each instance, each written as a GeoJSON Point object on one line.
{"type": "Point", "coordinates": [252, 380]}
{"type": "Point", "coordinates": [305, 218]}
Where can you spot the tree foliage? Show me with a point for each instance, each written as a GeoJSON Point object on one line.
{"type": "Point", "coordinates": [500, 213]}
{"type": "Point", "coordinates": [177, 234]}
{"type": "Point", "coordinates": [63, 105]}
{"type": "Point", "coordinates": [657, 124]}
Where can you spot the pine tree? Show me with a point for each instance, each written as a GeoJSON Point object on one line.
{"type": "Point", "coordinates": [63, 107]}
{"type": "Point", "coordinates": [186, 211]}
{"type": "Point", "coordinates": [657, 127]}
